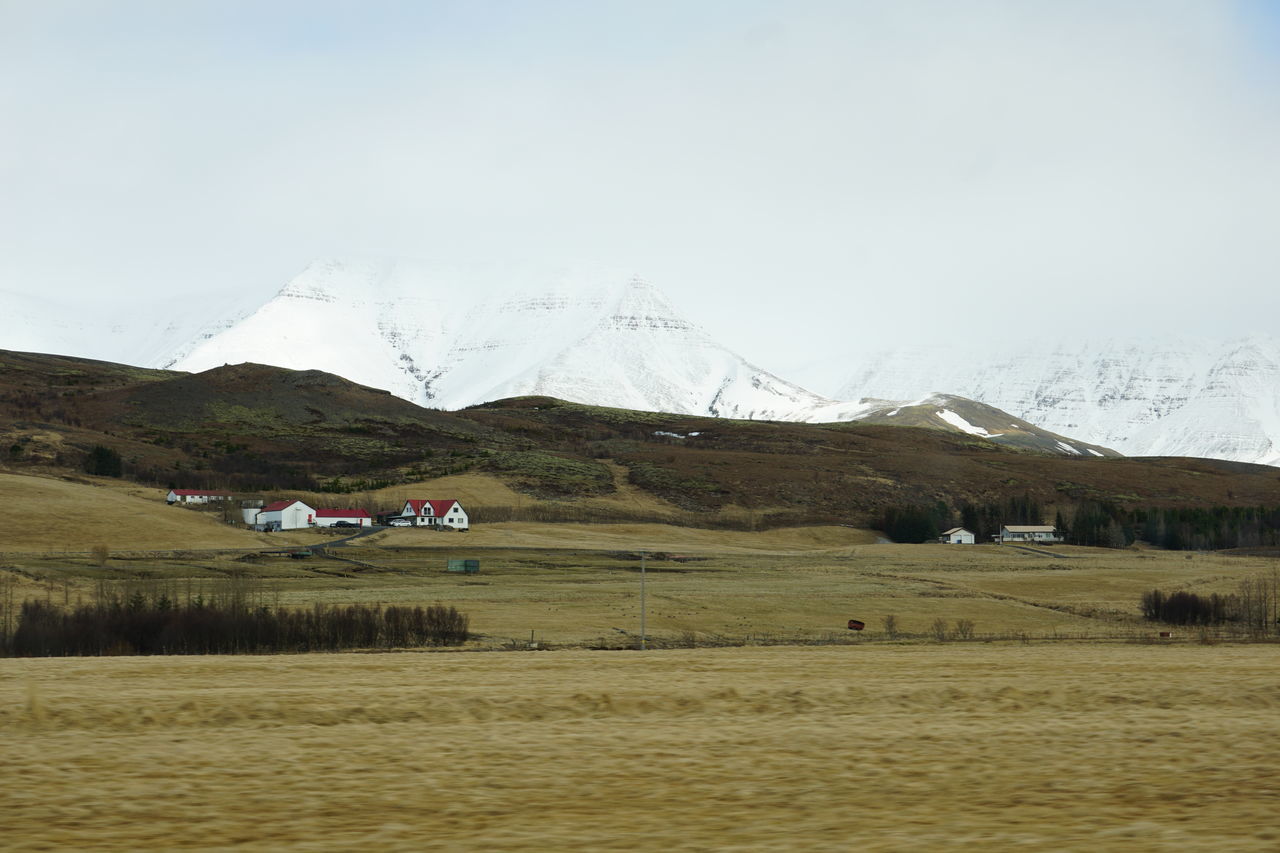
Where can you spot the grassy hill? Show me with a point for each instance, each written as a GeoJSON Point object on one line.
{"type": "Point", "coordinates": [263, 429]}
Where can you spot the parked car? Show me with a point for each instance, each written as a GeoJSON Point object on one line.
{"type": "Point", "coordinates": [400, 522]}
{"type": "Point", "coordinates": [345, 524]}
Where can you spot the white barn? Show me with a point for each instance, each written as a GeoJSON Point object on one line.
{"type": "Point", "coordinates": [1043, 533]}
{"type": "Point", "coordinates": [195, 496]}
{"type": "Point", "coordinates": [285, 515]}
{"type": "Point", "coordinates": [957, 536]}
{"type": "Point", "coordinates": [353, 517]}
{"type": "Point", "coordinates": [444, 514]}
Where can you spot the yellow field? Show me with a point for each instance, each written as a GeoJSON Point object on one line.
{"type": "Point", "coordinates": [992, 746]}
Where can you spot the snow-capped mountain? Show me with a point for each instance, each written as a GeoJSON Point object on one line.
{"type": "Point", "coordinates": [1166, 397]}
{"type": "Point", "coordinates": [435, 337]}
{"type": "Point", "coordinates": [448, 338]}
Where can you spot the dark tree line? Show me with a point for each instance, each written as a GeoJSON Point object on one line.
{"type": "Point", "coordinates": [142, 626]}
{"type": "Point", "coordinates": [1177, 529]}
{"type": "Point", "coordinates": [925, 522]}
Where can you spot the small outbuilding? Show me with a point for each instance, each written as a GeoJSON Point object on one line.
{"type": "Point", "coordinates": [285, 515]}
{"type": "Point", "coordinates": [334, 517]}
{"type": "Point", "coordinates": [195, 496]}
{"type": "Point", "coordinates": [957, 536]}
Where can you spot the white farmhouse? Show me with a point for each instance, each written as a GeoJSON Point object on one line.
{"type": "Point", "coordinates": [195, 496]}
{"type": "Point", "coordinates": [285, 515]}
{"type": "Point", "coordinates": [352, 517]}
{"type": "Point", "coordinates": [439, 514]}
{"type": "Point", "coordinates": [957, 536]}
{"type": "Point", "coordinates": [1042, 533]}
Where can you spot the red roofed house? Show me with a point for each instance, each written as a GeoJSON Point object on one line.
{"type": "Point", "coordinates": [195, 496]}
{"type": "Point", "coordinates": [285, 515]}
{"type": "Point", "coordinates": [440, 514]}
{"type": "Point", "coordinates": [352, 517]}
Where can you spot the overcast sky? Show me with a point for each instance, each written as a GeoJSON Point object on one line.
{"type": "Point", "coordinates": [799, 177]}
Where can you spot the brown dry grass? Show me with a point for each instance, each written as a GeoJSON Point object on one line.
{"type": "Point", "coordinates": [53, 514]}
{"type": "Point", "coordinates": [608, 537]}
{"type": "Point", "coordinates": [1120, 747]}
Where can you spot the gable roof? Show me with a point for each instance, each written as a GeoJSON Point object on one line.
{"type": "Point", "coordinates": [196, 492]}
{"type": "Point", "coordinates": [341, 513]}
{"type": "Point", "coordinates": [954, 530]}
{"type": "Point", "coordinates": [276, 506]}
{"type": "Point", "coordinates": [1030, 528]}
{"type": "Point", "coordinates": [438, 507]}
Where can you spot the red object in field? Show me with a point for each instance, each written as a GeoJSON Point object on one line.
{"type": "Point", "coordinates": [856, 625]}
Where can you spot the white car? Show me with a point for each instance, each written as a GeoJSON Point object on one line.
{"type": "Point", "coordinates": [400, 522]}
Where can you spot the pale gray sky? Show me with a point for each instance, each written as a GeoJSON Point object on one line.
{"type": "Point", "coordinates": [799, 177]}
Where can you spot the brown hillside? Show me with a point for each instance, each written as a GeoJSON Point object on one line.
{"type": "Point", "coordinates": [257, 428]}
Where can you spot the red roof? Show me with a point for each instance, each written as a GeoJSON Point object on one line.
{"type": "Point", "coordinates": [438, 508]}
{"type": "Point", "coordinates": [341, 513]}
{"type": "Point", "coordinates": [276, 506]}
{"type": "Point", "coordinates": [190, 492]}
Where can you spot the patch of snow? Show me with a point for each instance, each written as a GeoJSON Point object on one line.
{"type": "Point", "coordinates": [1069, 449]}
{"type": "Point", "coordinates": [963, 425]}
{"type": "Point", "coordinates": [1095, 453]}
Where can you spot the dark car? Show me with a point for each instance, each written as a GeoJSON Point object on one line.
{"type": "Point", "coordinates": [345, 524]}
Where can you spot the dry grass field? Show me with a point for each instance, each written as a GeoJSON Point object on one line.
{"type": "Point", "coordinates": [78, 514]}
{"type": "Point", "coordinates": [880, 747]}
{"type": "Point", "coordinates": [1031, 737]}
{"type": "Point", "coordinates": [578, 585]}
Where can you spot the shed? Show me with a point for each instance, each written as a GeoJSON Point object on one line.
{"type": "Point", "coordinates": [957, 536]}
{"type": "Point", "coordinates": [352, 517]}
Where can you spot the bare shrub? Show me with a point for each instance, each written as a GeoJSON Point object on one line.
{"type": "Point", "coordinates": [939, 630]}
{"type": "Point", "coordinates": [964, 629]}
{"type": "Point", "coordinates": [100, 554]}
{"type": "Point", "coordinates": [890, 623]}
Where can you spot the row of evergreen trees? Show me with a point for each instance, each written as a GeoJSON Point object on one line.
{"type": "Point", "coordinates": [1107, 525]}
{"type": "Point", "coordinates": [1177, 529]}
{"type": "Point", "coordinates": [925, 522]}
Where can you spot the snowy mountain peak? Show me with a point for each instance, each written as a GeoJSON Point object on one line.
{"type": "Point", "coordinates": [1143, 397]}
{"type": "Point", "coordinates": [440, 338]}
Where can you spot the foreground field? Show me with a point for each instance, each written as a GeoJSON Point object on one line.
{"type": "Point", "coordinates": [1063, 747]}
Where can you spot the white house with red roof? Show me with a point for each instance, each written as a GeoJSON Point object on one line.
{"type": "Point", "coordinates": [352, 517]}
{"type": "Point", "coordinates": [285, 515]}
{"type": "Point", "coordinates": [442, 514]}
{"type": "Point", "coordinates": [195, 496]}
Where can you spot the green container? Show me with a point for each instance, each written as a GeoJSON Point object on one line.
{"type": "Point", "coordinates": [469, 567]}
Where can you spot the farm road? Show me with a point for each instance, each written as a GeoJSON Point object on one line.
{"type": "Point", "coordinates": [1037, 551]}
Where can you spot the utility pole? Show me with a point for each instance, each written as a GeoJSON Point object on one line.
{"type": "Point", "coordinates": [643, 554]}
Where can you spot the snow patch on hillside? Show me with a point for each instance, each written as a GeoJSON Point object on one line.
{"type": "Point", "coordinates": [964, 426]}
